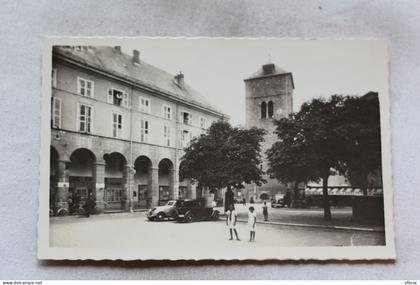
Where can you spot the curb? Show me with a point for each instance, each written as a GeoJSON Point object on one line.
{"type": "Point", "coordinates": [317, 226]}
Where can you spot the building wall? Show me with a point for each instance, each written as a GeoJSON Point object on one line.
{"type": "Point", "coordinates": [102, 111]}
{"type": "Point", "coordinates": [100, 141]}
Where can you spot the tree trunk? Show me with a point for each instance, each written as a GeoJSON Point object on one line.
{"type": "Point", "coordinates": [295, 194]}
{"type": "Point", "coordinates": [327, 210]}
{"type": "Point", "coordinates": [364, 184]}
{"type": "Point", "coordinates": [229, 197]}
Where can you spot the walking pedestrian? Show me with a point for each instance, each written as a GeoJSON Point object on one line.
{"type": "Point", "coordinates": [288, 198]}
{"type": "Point", "coordinates": [231, 219]}
{"type": "Point", "coordinates": [252, 223]}
{"type": "Point", "coordinates": [265, 211]}
{"type": "Point", "coordinates": [89, 206]}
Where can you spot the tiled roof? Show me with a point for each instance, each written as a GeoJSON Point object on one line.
{"type": "Point", "coordinates": [261, 73]}
{"type": "Point", "coordinates": [118, 63]}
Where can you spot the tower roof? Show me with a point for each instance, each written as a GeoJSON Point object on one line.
{"type": "Point", "coordinates": [269, 70]}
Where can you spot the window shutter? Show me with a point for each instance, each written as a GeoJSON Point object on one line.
{"type": "Point", "coordinates": [54, 77]}
{"type": "Point", "coordinates": [126, 100]}
{"type": "Point", "coordinates": [110, 96]}
{"type": "Point", "coordinates": [92, 89]}
{"type": "Point", "coordinates": [58, 113]}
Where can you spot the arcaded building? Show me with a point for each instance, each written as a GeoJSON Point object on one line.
{"type": "Point", "coordinates": [118, 129]}
{"type": "Point", "coordinates": [268, 96]}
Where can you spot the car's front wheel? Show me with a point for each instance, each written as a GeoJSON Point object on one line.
{"type": "Point", "coordinates": [189, 218]}
{"type": "Point", "coordinates": [215, 215]}
{"type": "Point", "coordinates": [160, 217]}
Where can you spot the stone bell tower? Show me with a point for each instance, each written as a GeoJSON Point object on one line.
{"type": "Point", "coordinates": [269, 95]}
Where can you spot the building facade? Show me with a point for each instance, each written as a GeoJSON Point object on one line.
{"type": "Point", "coordinates": [268, 96]}
{"type": "Point", "coordinates": [118, 129]}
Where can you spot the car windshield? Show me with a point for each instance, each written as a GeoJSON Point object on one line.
{"type": "Point", "coordinates": [171, 203]}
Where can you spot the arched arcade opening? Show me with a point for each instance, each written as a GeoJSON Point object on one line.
{"type": "Point", "coordinates": [114, 195]}
{"type": "Point", "coordinates": [165, 180]}
{"type": "Point", "coordinates": [142, 192]}
{"type": "Point", "coordinates": [81, 175]}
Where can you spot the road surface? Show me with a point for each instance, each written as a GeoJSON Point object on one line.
{"type": "Point", "coordinates": [132, 230]}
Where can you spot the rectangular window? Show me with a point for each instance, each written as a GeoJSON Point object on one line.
{"type": "Point", "coordinates": [203, 123]}
{"type": "Point", "coordinates": [118, 98]}
{"type": "Point", "coordinates": [186, 137]}
{"type": "Point", "coordinates": [113, 195]}
{"type": "Point", "coordinates": [167, 112]}
{"type": "Point", "coordinates": [167, 135]}
{"type": "Point", "coordinates": [144, 131]}
{"type": "Point", "coordinates": [85, 118]}
{"type": "Point", "coordinates": [186, 118]}
{"type": "Point", "coordinates": [116, 125]}
{"type": "Point", "coordinates": [56, 112]}
{"type": "Point", "coordinates": [144, 105]}
{"type": "Point", "coordinates": [85, 87]}
{"type": "Point", "coordinates": [54, 77]}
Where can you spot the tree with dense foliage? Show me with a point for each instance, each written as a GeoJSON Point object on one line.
{"type": "Point", "coordinates": [362, 139]}
{"type": "Point", "coordinates": [341, 133]}
{"type": "Point", "coordinates": [289, 160]}
{"type": "Point", "coordinates": [312, 144]}
{"type": "Point", "coordinates": [224, 156]}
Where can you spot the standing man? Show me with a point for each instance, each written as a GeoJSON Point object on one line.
{"type": "Point", "coordinates": [231, 219]}
{"type": "Point", "coordinates": [288, 198]}
{"type": "Point", "coordinates": [265, 211]}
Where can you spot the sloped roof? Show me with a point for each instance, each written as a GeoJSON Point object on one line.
{"type": "Point", "coordinates": [118, 63]}
{"type": "Point", "coordinates": [260, 73]}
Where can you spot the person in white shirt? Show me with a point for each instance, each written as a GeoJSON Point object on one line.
{"type": "Point", "coordinates": [231, 219]}
{"type": "Point", "coordinates": [252, 223]}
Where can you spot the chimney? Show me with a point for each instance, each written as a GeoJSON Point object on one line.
{"type": "Point", "coordinates": [117, 49]}
{"type": "Point", "coordinates": [269, 68]}
{"type": "Point", "coordinates": [136, 56]}
{"type": "Point", "coordinates": [179, 78]}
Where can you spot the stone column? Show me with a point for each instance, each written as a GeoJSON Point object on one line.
{"type": "Point", "coordinates": [128, 184]}
{"type": "Point", "coordinates": [174, 183]}
{"type": "Point", "coordinates": [153, 191]}
{"type": "Point", "coordinates": [62, 185]}
{"type": "Point", "coordinates": [99, 183]}
{"type": "Point", "coordinates": [125, 196]}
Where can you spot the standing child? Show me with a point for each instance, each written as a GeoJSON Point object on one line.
{"type": "Point", "coordinates": [265, 212]}
{"type": "Point", "coordinates": [252, 223]}
{"type": "Point", "coordinates": [231, 217]}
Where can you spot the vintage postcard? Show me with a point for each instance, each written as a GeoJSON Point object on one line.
{"type": "Point", "coordinates": [215, 149]}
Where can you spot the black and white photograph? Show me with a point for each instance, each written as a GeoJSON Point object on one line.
{"type": "Point", "coordinates": [215, 149]}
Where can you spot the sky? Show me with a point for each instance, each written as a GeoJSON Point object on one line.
{"type": "Point", "coordinates": [217, 67]}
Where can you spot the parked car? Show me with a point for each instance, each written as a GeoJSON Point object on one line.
{"type": "Point", "coordinates": [165, 212]}
{"type": "Point", "coordinates": [195, 210]}
{"type": "Point", "coordinates": [278, 203]}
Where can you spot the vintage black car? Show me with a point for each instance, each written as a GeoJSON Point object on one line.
{"type": "Point", "coordinates": [195, 210]}
{"type": "Point", "coordinates": [165, 212]}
